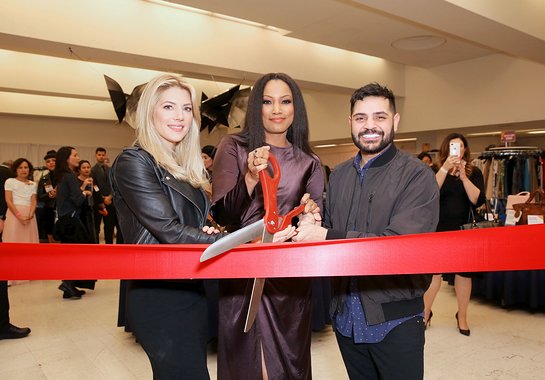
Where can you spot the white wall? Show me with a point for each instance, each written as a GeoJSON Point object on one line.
{"type": "Point", "coordinates": [496, 89]}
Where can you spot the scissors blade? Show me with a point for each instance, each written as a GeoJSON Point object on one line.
{"type": "Point", "coordinates": [255, 301]}
{"type": "Point", "coordinates": [257, 291]}
{"type": "Point", "coordinates": [244, 235]}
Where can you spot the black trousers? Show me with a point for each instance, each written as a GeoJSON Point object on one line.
{"type": "Point", "coordinates": [399, 356]}
{"type": "Point", "coordinates": [171, 325]}
{"type": "Point", "coordinates": [110, 224]}
{"type": "Point", "coordinates": [4, 306]}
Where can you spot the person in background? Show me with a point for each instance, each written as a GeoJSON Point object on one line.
{"type": "Point", "coordinates": [99, 172]}
{"type": "Point", "coordinates": [211, 286]}
{"type": "Point", "coordinates": [47, 193]}
{"type": "Point", "coordinates": [425, 157]}
{"type": "Point", "coordinates": [161, 193]}
{"type": "Point", "coordinates": [208, 152]}
{"type": "Point", "coordinates": [278, 344]}
{"type": "Point", "coordinates": [7, 330]}
{"type": "Point", "coordinates": [85, 180]}
{"type": "Point", "coordinates": [378, 320]}
{"type": "Point", "coordinates": [462, 188]}
{"type": "Point", "coordinates": [5, 173]}
{"type": "Point", "coordinates": [20, 195]}
{"type": "Point", "coordinates": [72, 198]}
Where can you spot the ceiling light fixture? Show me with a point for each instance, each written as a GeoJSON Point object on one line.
{"type": "Point", "coordinates": [406, 139]}
{"type": "Point", "coordinates": [476, 134]}
{"type": "Point", "coordinates": [325, 146]}
{"type": "Point", "coordinates": [175, 4]}
{"type": "Point", "coordinates": [418, 43]}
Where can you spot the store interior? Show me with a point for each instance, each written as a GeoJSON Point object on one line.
{"type": "Point", "coordinates": [476, 68]}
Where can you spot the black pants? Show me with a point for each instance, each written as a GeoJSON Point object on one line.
{"type": "Point", "coordinates": [399, 356]}
{"type": "Point", "coordinates": [4, 306]}
{"type": "Point", "coordinates": [171, 325]}
{"type": "Point", "coordinates": [110, 224]}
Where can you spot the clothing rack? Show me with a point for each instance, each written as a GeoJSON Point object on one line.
{"type": "Point", "coordinates": [502, 152]}
{"type": "Point", "coordinates": [496, 186]}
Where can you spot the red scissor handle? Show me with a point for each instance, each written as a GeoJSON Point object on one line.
{"type": "Point", "coordinates": [270, 191]}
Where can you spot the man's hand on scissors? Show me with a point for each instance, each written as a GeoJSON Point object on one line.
{"type": "Point", "coordinates": [310, 232]}
{"type": "Point", "coordinates": [311, 215]}
{"type": "Point", "coordinates": [284, 235]}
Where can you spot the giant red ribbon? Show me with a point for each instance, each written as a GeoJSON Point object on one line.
{"type": "Point", "coordinates": [493, 249]}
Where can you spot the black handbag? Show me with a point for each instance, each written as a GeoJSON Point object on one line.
{"type": "Point", "coordinates": [70, 229]}
{"type": "Point", "coordinates": [474, 224]}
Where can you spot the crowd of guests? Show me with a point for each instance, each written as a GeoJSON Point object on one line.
{"type": "Point", "coordinates": [185, 194]}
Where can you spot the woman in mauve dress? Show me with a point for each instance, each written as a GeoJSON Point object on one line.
{"type": "Point", "coordinates": [278, 344]}
{"type": "Point", "coordinates": [20, 225]}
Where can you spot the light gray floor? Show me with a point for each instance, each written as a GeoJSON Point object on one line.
{"type": "Point", "coordinates": [79, 340]}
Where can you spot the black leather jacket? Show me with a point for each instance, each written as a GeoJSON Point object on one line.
{"type": "Point", "coordinates": [152, 206]}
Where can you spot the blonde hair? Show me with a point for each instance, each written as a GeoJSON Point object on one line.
{"type": "Point", "coordinates": [184, 162]}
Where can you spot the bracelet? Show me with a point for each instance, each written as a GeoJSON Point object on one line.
{"type": "Point", "coordinates": [444, 170]}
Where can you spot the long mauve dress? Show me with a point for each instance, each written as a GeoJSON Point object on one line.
{"type": "Point", "coordinates": [283, 324]}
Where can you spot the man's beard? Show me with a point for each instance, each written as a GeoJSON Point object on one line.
{"type": "Point", "coordinates": [384, 141]}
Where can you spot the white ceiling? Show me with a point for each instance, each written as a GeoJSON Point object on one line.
{"type": "Point", "coordinates": [471, 29]}
{"type": "Point", "coordinates": [370, 27]}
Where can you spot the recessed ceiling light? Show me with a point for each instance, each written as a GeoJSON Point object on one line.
{"type": "Point", "coordinates": [418, 43]}
{"type": "Point", "coordinates": [406, 139]}
{"type": "Point", "coordinates": [495, 133]}
{"type": "Point", "coordinates": [325, 146]}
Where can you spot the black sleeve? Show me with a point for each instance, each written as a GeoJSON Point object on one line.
{"type": "Point", "coordinates": [143, 196]}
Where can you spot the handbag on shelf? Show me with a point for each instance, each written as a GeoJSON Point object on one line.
{"type": "Point", "coordinates": [474, 224]}
{"type": "Point", "coordinates": [532, 207]}
{"type": "Point", "coordinates": [521, 197]}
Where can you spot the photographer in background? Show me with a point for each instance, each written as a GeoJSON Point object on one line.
{"type": "Point", "coordinates": [462, 188]}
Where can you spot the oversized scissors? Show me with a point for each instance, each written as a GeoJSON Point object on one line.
{"type": "Point", "coordinates": [266, 228]}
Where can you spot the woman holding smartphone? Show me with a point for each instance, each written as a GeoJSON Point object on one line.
{"type": "Point", "coordinates": [462, 188]}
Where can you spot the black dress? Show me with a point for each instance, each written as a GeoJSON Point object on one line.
{"type": "Point", "coordinates": [454, 204]}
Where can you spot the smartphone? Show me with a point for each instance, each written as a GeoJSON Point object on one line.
{"type": "Point", "coordinates": [455, 149]}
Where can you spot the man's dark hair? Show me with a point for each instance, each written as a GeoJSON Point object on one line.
{"type": "Point", "coordinates": [424, 154]}
{"type": "Point", "coordinates": [373, 89]}
{"type": "Point", "coordinates": [100, 149]}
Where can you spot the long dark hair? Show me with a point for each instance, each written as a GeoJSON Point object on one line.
{"type": "Point", "coordinates": [61, 162]}
{"type": "Point", "coordinates": [253, 131]}
{"type": "Point", "coordinates": [444, 151]}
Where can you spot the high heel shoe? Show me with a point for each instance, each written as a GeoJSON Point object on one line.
{"type": "Point", "coordinates": [428, 321]}
{"type": "Point", "coordinates": [462, 331]}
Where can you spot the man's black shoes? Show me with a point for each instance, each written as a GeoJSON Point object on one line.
{"type": "Point", "coordinates": [14, 332]}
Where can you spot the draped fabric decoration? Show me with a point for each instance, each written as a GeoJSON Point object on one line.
{"type": "Point", "coordinates": [124, 104]}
